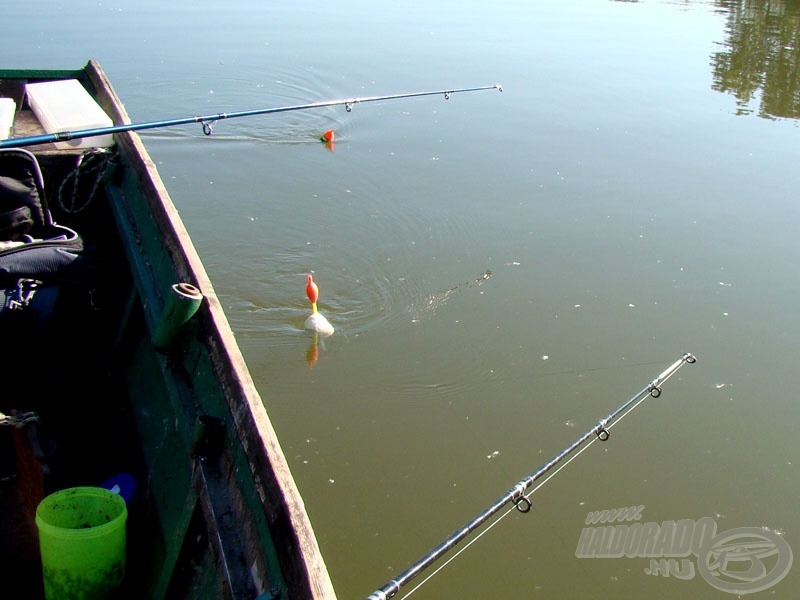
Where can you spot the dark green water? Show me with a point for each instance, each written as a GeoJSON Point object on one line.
{"type": "Point", "coordinates": [632, 192]}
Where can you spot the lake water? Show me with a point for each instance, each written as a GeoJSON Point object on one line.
{"type": "Point", "coordinates": [503, 269]}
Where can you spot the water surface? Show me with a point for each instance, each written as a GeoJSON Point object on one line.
{"type": "Point", "coordinates": [503, 269]}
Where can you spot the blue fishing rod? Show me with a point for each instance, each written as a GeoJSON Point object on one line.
{"type": "Point", "coordinates": [206, 120]}
{"type": "Point", "coordinates": [516, 495]}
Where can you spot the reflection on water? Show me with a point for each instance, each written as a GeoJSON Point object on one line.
{"type": "Point", "coordinates": [760, 60]}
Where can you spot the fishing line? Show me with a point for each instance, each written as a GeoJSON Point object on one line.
{"type": "Point", "coordinates": [607, 368]}
{"type": "Point", "coordinates": [517, 495]}
{"type": "Point", "coordinates": [513, 508]}
{"type": "Point", "coordinates": [482, 441]}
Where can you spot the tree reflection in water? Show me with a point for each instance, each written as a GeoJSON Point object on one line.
{"type": "Point", "coordinates": [759, 63]}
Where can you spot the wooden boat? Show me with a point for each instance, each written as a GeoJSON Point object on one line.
{"type": "Point", "coordinates": [113, 383]}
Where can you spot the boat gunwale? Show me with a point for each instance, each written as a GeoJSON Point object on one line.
{"type": "Point", "coordinates": [301, 560]}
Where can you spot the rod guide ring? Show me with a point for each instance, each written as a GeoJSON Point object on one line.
{"type": "Point", "coordinates": [523, 504]}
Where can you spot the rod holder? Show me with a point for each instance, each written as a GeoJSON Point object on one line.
{"type": "Point", "coordinates": [114, 170]}
{"type": "Point", "coordinates": [181, 305]}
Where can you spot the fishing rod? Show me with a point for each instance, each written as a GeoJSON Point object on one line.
{"type": "Point", "coordinates": [206, 120]}
{"type": "Point", "coordinates": [516, 495]}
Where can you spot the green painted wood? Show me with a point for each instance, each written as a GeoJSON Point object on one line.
{"type": "Point", "coordinates": [167, 392]}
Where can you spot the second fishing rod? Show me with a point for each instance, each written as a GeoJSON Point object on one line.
{"type": "Point", "coordinates": [516, 495]}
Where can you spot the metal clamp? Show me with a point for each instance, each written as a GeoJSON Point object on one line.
{"type": "Point", "coordinates": [518, 498]}
{"type": "Point", "coordinates": [602, 431]}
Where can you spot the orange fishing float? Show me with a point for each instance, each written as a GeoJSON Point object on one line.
{"type": "Point", "coordinates": [312, 291]}
{"type": "Point", "coordinates": [316, 322]}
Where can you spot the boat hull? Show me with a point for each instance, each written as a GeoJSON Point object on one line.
{"type": "Point", "coordinates": [216, 512]}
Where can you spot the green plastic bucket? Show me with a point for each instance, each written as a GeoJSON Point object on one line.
{"type": "Point", "coordinates": [82, 543]}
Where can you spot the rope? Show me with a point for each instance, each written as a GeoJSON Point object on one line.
{"type": "Point", "coordinates": [70, 203]}
{"type": "Point", "coordinates": [19, 420]}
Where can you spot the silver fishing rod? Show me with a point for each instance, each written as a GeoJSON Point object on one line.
{"type": "Point", "coordinates": [206, 120]}
{"type": "Point", "coordinates": [516, 495]}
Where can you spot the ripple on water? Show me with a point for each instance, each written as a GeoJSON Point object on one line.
{"type": "Point", "coordinates": [375, 257]}
{"type": "Point", "coordinates": [229, 91]}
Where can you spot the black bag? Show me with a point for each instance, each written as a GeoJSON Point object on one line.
{"type": "Point", "coordinates": [35, 252]}
{"type": "Point", "coordinates": [31, 244]}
